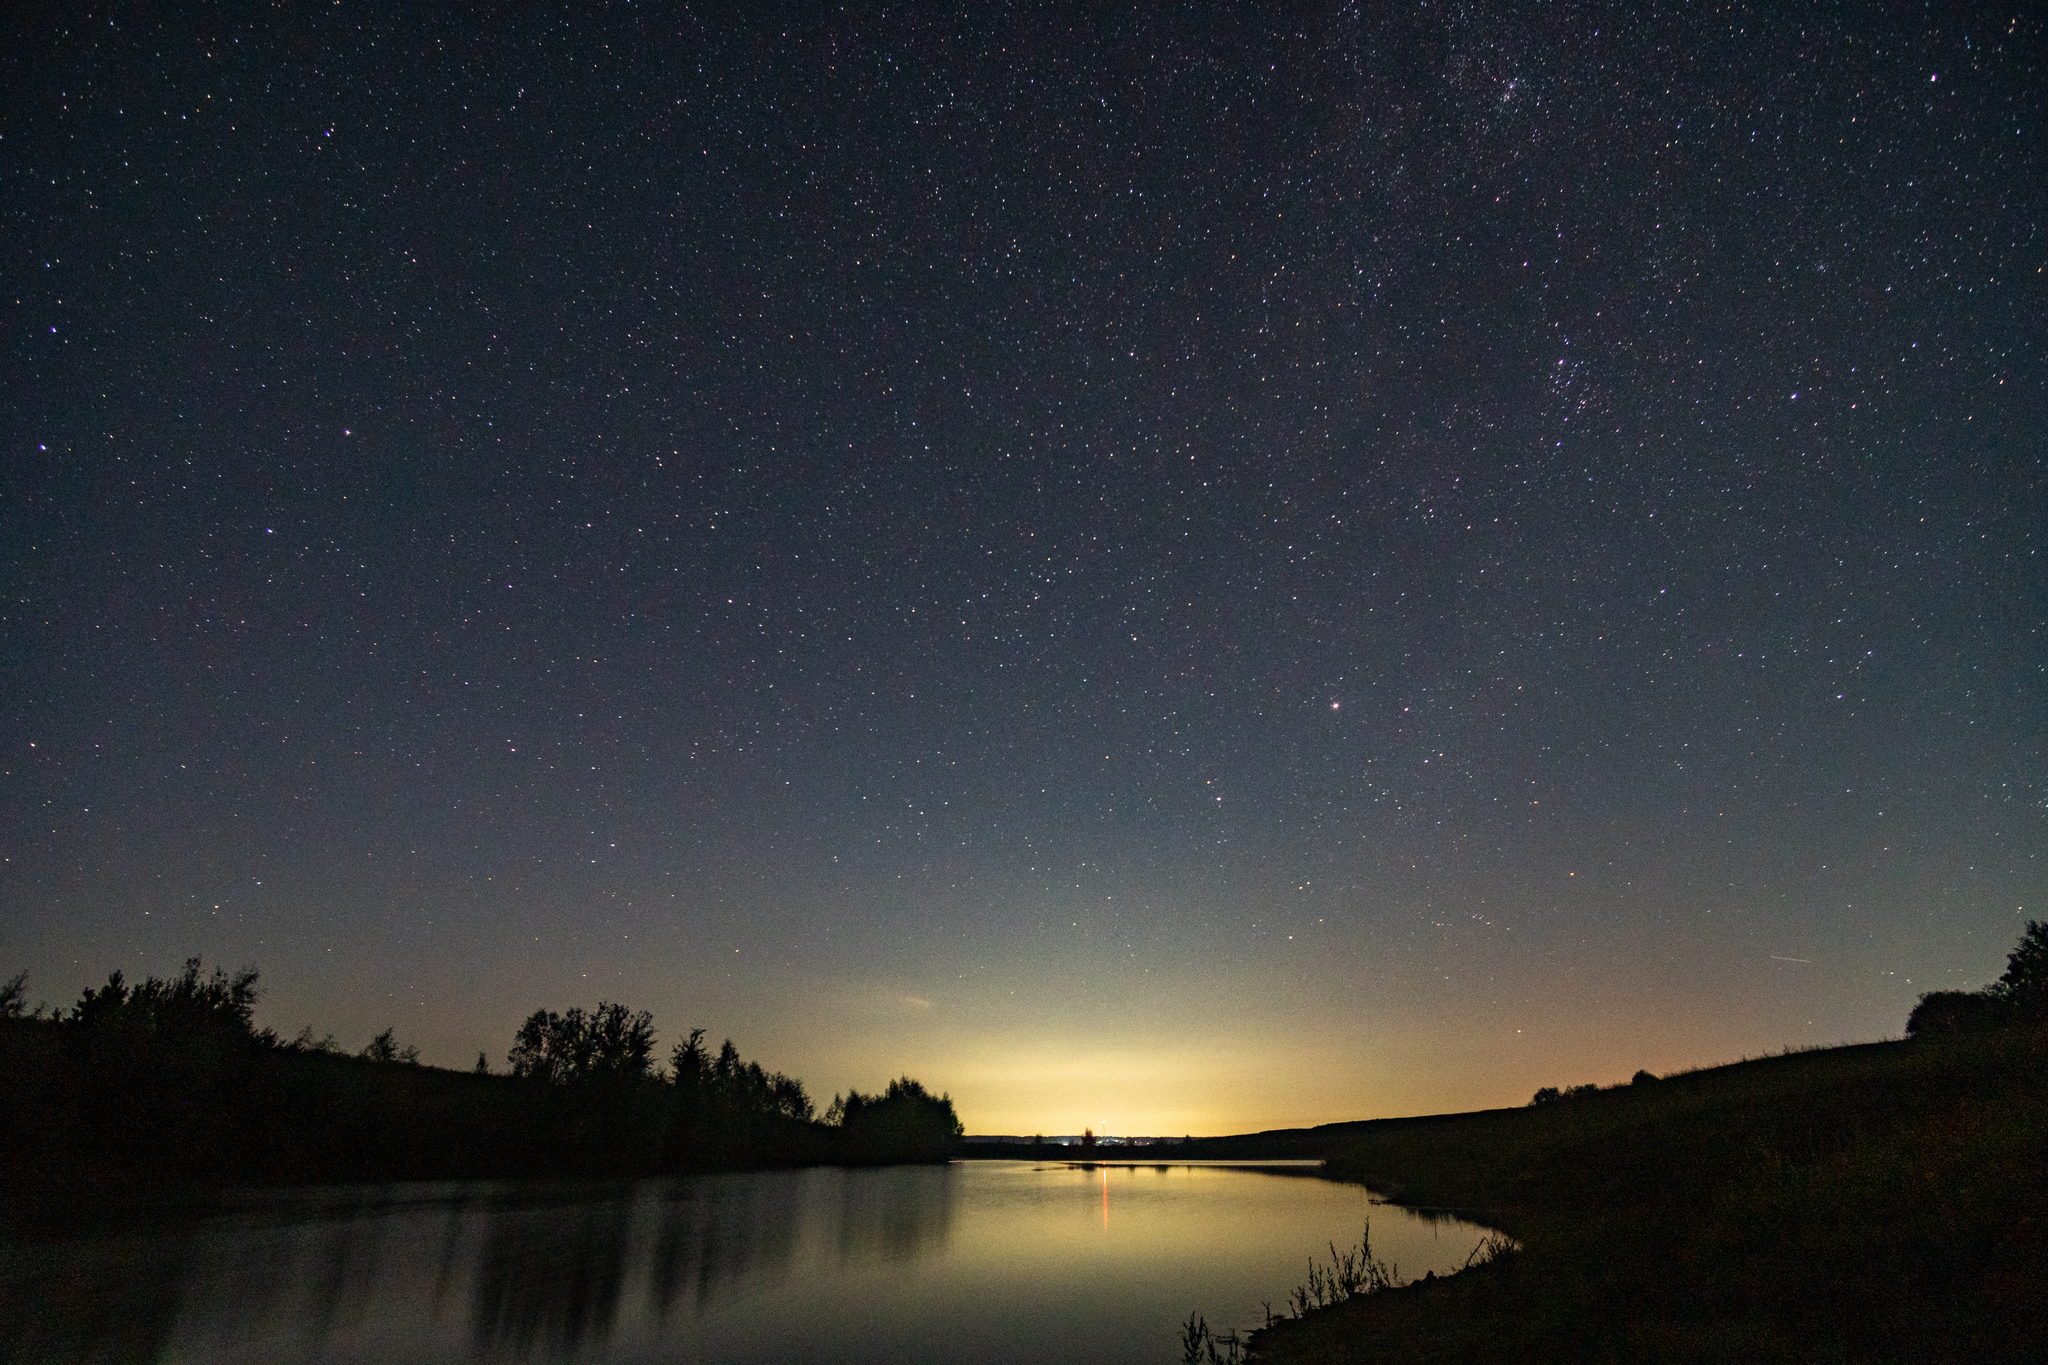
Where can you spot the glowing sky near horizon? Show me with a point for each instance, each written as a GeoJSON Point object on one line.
{"type": "Point", "coordinates": [1182, 572]}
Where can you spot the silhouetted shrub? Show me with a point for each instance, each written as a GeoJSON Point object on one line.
{"type": "Point", "coordinates": [1550, 1094]}
{"type": "Point", "coordinates": [1946, 1013]}
{"type": "Point", "coordinates": [1643, 1078]}
{"type": "Point", "coordinates": [306, 1042]}
{"type": "Point", "coordinates": [2020, 996]}
{"type": "Point", "coordinates": [384, 1048]}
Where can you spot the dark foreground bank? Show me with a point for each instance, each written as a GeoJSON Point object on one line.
{"type": "Point", "coordinates": [1873, 1203]}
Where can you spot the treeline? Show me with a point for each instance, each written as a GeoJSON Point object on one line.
{"type": "Point", "coordinates": [168, 1082]}
{"type": "Point", "coordinates": [611, 1045]}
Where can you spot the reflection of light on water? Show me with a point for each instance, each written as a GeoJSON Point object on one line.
{"type": "Point", "coordinates": [979, 1260]}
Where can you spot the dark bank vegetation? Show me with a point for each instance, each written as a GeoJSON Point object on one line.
{"type": "Point", "coordinates": [1352, 1274]}
{"type": "Point", "coordinates": [1881, 1202]}
{"type": "Point", "coordinates": [903, 1119]}
{"type": "Point", "coordinates": [2018, 997]}
{"type": "Point", "coordinates": [168, 1086]}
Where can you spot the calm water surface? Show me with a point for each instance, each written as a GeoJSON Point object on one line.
{"type": "Point", "coordinates": [981, 1261]}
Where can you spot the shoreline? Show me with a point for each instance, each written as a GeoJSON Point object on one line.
{"type": "Point", "coordinates": [1876, 1201]}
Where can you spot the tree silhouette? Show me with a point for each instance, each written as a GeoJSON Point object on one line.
{"type": "Point", "coordinates": [904, 1123]}
{"type": "Point", "coordinates": [188, 1008]}
{"type": "Point", "coordinates": [610, 1043]}
{"type": "Point", "coordinates": [14, 996]}
{"type": "Point", "coordinates": [2019, 996]}
{"type": "Point", "coordinates": [2024, 987]}
{"type": "Point", "coordinates": [689, 1065]}
{"type": "Point", "coordinates": [169, 1080]}
{"type": "Point", "coordinates": [384, 1048]}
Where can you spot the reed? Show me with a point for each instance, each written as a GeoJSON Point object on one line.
{"type": "Point", "coordinates": [1202, 1346]}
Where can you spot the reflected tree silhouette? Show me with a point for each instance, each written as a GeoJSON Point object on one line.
{"type": "Point", "coordinates": [826, 1263]}
{"type": "Point", "coordinates": [113, 1299]}
{"type": "Point", "coordinates": [896, 1213]}
{"type": "Point", "coordinates": [717, 1231]}
{"type": "Point", "coordinates": [549, 1278]}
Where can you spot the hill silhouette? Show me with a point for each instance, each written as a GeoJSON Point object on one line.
{"type": "Point", "coordinates": [1884, 1201]}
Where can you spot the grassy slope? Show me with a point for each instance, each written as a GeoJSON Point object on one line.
{"type": "Point", "coordinates": [1881, 1202]}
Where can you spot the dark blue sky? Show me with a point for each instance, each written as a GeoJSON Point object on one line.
{"type": "Point", "coordinates": [1184, 571]}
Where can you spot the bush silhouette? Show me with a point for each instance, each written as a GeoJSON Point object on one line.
{"type": "Point", "coordinates": [1943, 1013]}
{"type": "Point", "coordinates": [1550, 1094]}
{"type": "Point", "coordinates": [384, 1048]}
{"type": "Point", "coordinates": [2020, 996]}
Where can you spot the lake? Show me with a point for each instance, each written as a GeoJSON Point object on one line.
{"type": "Point", "coordinates": [982, 1261]}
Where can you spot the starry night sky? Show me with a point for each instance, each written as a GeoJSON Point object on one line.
{"type": "Point", "coordinates": [1181, 571]}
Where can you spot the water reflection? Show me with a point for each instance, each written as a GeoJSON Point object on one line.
{"type": "Point", "coordinates": [983, 1261]}
{"type": "Point", "coordinates": [548, 1280]}
{"type": "Point", "coordinates": [897, 1214]}
{"type": "Point", "coordinates": [59, 1304]}
{"type": "Point", "coordinates": [552, 1281]}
